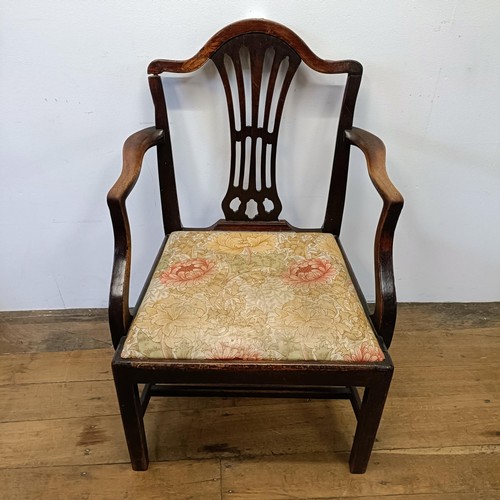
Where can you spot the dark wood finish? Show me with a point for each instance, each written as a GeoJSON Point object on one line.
{"type": "Point", "coordinates": [281, 225]}
{"type": "Point", "coordinates": [254, 180]}
{"type": "Point", "coordinates": [338, 182]}
{"type": "Point", "coordinates": [384, 316]}
{"type": "Point", "coordinates": [132, 413]}
{"type": "Point", "coordinates": [166, 174]}
{"type": "Point", "coordinates": [264, 27]}
{"type": "Point", "coordinates": [269, 54]}
{"type": "Point", "coordinates": [133, 152]}
{"type": "Point", "coordinates": [243, 378]}
{"type": "Point", "coordinates": [369, 415]}
{"type": "Point", "coordinates": [254, 392]}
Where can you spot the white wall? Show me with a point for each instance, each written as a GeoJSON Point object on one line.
{"type": "Point", "coordinates": [73, 87]}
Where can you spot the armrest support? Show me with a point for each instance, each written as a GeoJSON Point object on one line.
{"type": "Point", "coordinates": [133, 152]}
{"type": "Point", "coordinates": [384, 316]}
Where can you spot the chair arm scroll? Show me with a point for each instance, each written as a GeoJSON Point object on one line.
{"type": "Point", "coordinates": [133, 152]}
{"type": "Point", "coordinates": [384, 316]}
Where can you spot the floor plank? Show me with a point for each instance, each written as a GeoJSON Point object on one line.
{"type": "Point", "coordinates": [173, 480]}
{"type": "Point", "coordinates": [470, 346]}
{"type": "Point", "coordinates": [451, 316]}
{"type": "Point", "coordinates": [285, 427]}
{"type": "Point", "coordinates": [62, 400]}
{"type": "Point", "coordinates": [63, 366]}
{"type": "Point", "coordinates": [326, 476]}
{"type": "Point", "coordinates": [45, 401]}
{"type": "Point", "coordinates": [60, 330]}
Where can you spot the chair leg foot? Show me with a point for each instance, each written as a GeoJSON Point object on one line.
{"type": "Point", "coordinates": [370, 415]}
{"type": "Point", "coordinates": [133, 423]}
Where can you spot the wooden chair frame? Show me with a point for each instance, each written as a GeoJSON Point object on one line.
{"type": "Point", "coordinates": [311, 379]}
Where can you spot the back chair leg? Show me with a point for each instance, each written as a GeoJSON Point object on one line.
{"type": "Point", "coordinates": [133, 423]}
{"type": "Point", "coordinates": [372, 408]}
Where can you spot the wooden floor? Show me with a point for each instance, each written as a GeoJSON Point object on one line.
{"type": "Point", "coordinates": [61, 436]}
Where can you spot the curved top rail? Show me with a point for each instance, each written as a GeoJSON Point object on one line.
{"type": "Point", "coordinates": [264, 27]}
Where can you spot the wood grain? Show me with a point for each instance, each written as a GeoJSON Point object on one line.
{"type": "Point", "coordinates": [40, 331]}
{"type": "Point", "coordinates": [173, 480]}
{"type": "Point", "coordinates": [98, 398]}
{"type": "Point", "coordinates": [282, 428]}
{"type": "Point", "coordinates": [72, 366]}
{"type": "Point", "coordinates": [325, 476]}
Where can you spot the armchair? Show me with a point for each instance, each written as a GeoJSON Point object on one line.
{"type": "Point", "coordinates": [253, 306]}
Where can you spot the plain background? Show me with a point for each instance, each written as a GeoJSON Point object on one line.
{"type": "Point", "coordinates": [73, 86]}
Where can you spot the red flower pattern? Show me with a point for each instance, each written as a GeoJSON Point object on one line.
{"type": "Point", "coordinates": [186, 271]}
{"type": "Point", "coordinates": [310, 271]}
{"type": "Point", "coordinates": [365, 353]}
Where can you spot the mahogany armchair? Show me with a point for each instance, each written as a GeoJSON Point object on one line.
{"type": "Point", "coordinates": [253, 306]}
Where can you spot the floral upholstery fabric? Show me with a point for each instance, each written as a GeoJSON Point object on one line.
{"type": "Point", "coordinates": [251, 296]}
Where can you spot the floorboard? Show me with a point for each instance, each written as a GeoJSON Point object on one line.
{"type": "Point", "coordinates": [173, 480]}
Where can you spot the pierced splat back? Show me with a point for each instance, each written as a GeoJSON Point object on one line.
{"type": "Point", "coordinates": [256, 60]}
{"type": "Point", "coordinates": [254, 120]}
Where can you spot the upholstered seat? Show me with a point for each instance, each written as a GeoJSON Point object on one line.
{"type": "Point", "coordinates": [252, 296]}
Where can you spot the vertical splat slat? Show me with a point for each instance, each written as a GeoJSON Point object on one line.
{"type": "Point", "coordinates": [273, 73]}
{"type": "Point", "coordinates": [232, 115]}
{"type": "Point", "coordinates": [240, 85]}
{"type": "Point", "coordinates": [270, 90]}
{"type": "Point", "coordinates": [256, 66]}
{"type": "Point", "coordinates": [279, 111]}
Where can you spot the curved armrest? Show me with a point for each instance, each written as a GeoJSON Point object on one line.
{"type": "Point", "coordinates": [384, 316]}
{"type": "Point", "coordinates": [133, 152]}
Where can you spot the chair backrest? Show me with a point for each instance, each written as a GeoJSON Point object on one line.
{"type": "Point", "coordinates": [256, 60]}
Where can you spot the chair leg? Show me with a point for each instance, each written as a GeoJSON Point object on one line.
{"type": "Point", "coordinates": [369, 419]}
{"type": "Point", "coordinates": [133, 423]}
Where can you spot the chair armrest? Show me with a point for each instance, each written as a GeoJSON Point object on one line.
{"type": "Point", "coordinates": [384, 316]}
{"type": "Point", "coordinates": [133, 152]}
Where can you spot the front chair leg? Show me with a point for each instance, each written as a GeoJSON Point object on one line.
{"type": "Point", "coordinates": [366, 430]}
{"type": "Point", "coordinates": [133, 423]}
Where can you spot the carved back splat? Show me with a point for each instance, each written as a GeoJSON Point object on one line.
{"type": "Point", "coordinates": [256, 73]}
{"type": "Point", "coordinates": [256, 60]}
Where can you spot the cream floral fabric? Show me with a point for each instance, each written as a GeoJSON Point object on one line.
{"type": "Point", "coordinates": [251, 296]}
